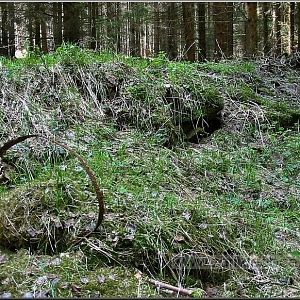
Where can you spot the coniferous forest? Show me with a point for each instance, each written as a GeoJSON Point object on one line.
{"type": "Point", "coordinates": [183, 30]}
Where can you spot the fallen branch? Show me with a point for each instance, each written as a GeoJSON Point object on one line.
{"type": "Point", "coordinates": [173, 288]}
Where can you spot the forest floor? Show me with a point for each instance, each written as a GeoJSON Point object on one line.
{"type": "Point", "coordinates": [218, 216]}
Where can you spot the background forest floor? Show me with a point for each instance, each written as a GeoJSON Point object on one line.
{"type": "Point", "coordinates": [218, 216]}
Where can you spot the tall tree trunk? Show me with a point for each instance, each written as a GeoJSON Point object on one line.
{"type": "Point", "coordinates": [229, 28]}
{"type": "Point", "coordinates": [156, 42]}
{"type": "Point", "coordinates": [292, 26]}
{"type": "Point", "coordinates": [110, 23]}
{"type": "Point", "coordinates": [71, 22]}
{"type": "Point", "coordinates": [266, 41]}
{"type": "Point", "coordinates": [201, 31]}
{"type": "Point", "coordinates": [93, 17]}
{"type": "Point", "coordinates": [11, 29]}
{"type": "Point", "coordinates": [30, 25]}
{"type": "Point", "coordinates": [44, 36]}
{"type": "Point", "coordinates": [118, 27]}
{"type": "Point", "coordinates": [220, 42]}
{"type": "Point", "coordinates": [4, 29]}
{"type": "Point", "coordinates": [134, 37]}
{"type": "Point", "coordinates": [222, 13]}
{"type": "Point", "coordinates": [172, 32]}
{"type": "Point", "coordinates": [189, 29]}
{"type": "Point", "coordinates": [37, 26]}
{"type": "Point", "coordinates": [277, 28]}
{"type": "Point", "coordinates": [251, 28]}
{"type": "Point", "coordinates": [211, 31]}
{"type": "Point", "coordinates": [298, 26]}
{"type": "Point", "coordinates": [132, 44]}
{"type": "Point", "coordinates": [57, 24]}
{"type": "Point", "coordinates": [138, 26]}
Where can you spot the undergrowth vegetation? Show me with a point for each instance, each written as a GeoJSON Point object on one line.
{"type": "Point", "coordinates": [199, 164]}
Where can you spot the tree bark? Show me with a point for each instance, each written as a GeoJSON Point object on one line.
{"type": "Point", "coordinates": [156, 28]}
{"type": "Point", "coordinates": [134, 29]}
{"type": "Point", "coordinates": [4, 29]}
{"type": "Point", "coordinates": [11, 29]}
{"type": "Point", "coordinates": [292, 26]}
{"type": "Point", "coordinates": [251, 28]}
{"type": "Point", "coordinates": [37, 26]}
{"type": "Point", "coordinates": [266, 13]}
{"type": "Point", "coordinates": [138, 26]}
{"type": "Point", "coordinates": [189, 29]}
{"type": "Point", "coordinates": [71, 22]}
{"type": "Point", "coordinates": [172, 32]}
{"type": "Point", "coordinates": [222, 14]}
{"type": "Point", "coordinates": [118, 27]}
{"type": "Point", "coordinates": [110, 23]}
{"type": "Point", "coordinates": [93, 15]}
{"type": "Point", "coordinates": [298, 26]}
{"type": "Point", "coordinates": [229, 28]}
{"type": "Point", "coordinates": [30, 26]}
{"type": "Point", "coordinates": [211, 31]}
{"type": "Point", "coordinates": [277, 28]}
{"type": "Point", "coordinates": [44, 36]}
{"type": "Point", "coordinates": [57, 24]}
{"type": "Point", "coordinates": [201, 31]}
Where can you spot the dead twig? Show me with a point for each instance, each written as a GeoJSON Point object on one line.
{"type": "Point", "coordinates": [173, 288]}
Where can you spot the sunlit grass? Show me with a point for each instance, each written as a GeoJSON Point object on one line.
{"type": "Point", "coordinates": [234, 194]}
